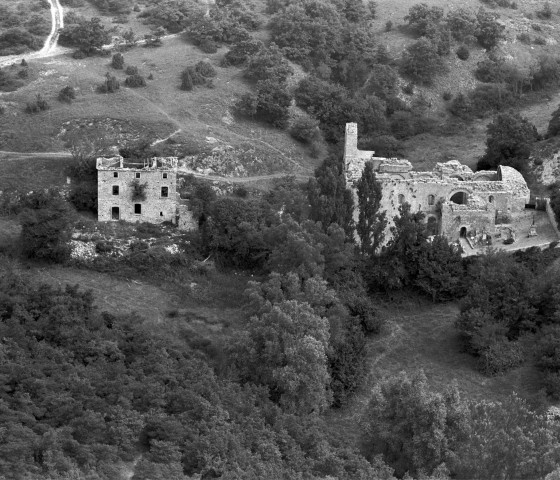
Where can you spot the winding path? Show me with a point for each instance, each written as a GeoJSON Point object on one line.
{"type": "Point", "coordinates": [51, 43]}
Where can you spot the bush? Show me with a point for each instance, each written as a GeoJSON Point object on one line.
{"type": "Point", "coordinates": [305, 128]}
{"type": "Point", "coordinates": [241, 51]}
{"type": "Point", "coordinates": [186, 80]}
{"type": "Point", "coordinates": [545, 13]}
{"type": "Point", "coordinates": [539, 40]}
{"type": "Point", "coordinates": [208, 46]}
{"type": "Point", "coordinates": [205, 69]}
{"type": "Point", "coordinates": [388, 26]}
{"type": "Point", "coordinates": [524, 38]}
{"type": "Point", "coordinates": [117, 61]}
{"type": "Point", "coordinates": [131, 70]}
{"type": "Point", "coordinates": [38, 105]}
{"type": "Point", "coordinates": [447, 95]}
{"type": "Point", "coordinates": [67, 94]}
{"type": "Point", "coordinates": [463, 52]}
{"type": "Point", "coordinates": [489, 32]}
{"type": "Point", "coordinates": [83, 196]}
{"type": "Point", "coordinates": [500, 357]}
{"type": "Point", "coordinates": [111, 85]}
{"type": "Point", "coordinates": [135, 81]}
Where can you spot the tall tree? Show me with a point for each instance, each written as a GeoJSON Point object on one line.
{"type": "Point", "coordinates": [371, 221]}
{"type": "Point", "coordinates": [509, 141]}
{"type": "Point", "coordinates": [330, 200]}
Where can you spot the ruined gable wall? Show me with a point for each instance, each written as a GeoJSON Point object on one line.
{"type": "Point", "coordinates": [151, 207]}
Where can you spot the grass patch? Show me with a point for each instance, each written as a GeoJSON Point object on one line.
{"type": "Point", "coordinates": [32, 173]}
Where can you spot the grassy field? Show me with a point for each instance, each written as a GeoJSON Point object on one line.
{"type": "Point", "coordinates": [421, 335]}
{"type": "Point", "coordinates": [32, 173]}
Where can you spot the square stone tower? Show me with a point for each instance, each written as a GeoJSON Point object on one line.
{"type": "Point", "coordinates": [145, 191]}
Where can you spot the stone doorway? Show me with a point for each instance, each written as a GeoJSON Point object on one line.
{"type": "Point", "coordinates": [463, 232]}
{"type": "Point", "coordinates": [115, 213]}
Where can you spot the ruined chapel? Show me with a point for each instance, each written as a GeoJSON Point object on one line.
{"type": "Point", "coordinates": [456, 201]}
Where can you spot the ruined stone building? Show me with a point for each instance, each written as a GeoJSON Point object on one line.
{"type": "Point", "coordinates": [141, 191]}
{"type": "Point", "coordinates": [456, 201]}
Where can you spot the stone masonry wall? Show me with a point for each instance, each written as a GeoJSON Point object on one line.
{"type": "Point", "coordinates": [154, 209]}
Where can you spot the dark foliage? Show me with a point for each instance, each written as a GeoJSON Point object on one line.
{"type": "Point", "coordinates": [509, 142]}
{"type": "Point", "coordinates": [135, 81]}
{"type": "Point", "coordinates": [67, 94]}
{"type": "Point", "coordinates": [87, 36]}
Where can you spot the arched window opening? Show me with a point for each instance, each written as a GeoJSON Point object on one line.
{"type": "Point", "coordinates": [463, 232]}
{"type": "Point", "coordinates": [491, 198]}
{"type": "Point", "coordinates": [459, 198]}
{"type": "Point", "coordinates": [431, 199]}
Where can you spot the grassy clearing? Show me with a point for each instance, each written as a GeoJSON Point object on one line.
{"type": "Point", "coordinates": [421, 335]}
{"type": "Point", "coordinates": [155, 111]}
{"type": "Point", "coordinates": [32, 173]}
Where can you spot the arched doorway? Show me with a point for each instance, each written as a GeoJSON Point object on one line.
{"type": "Point", "coordinates": [459, 198]}
{"type": "Point", "coordinates": [463, 232]}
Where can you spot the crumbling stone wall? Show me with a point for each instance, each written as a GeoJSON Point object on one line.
{"type": "Point", "coordinates": [487, 193]}
{"type": "Point", "coordinates": [155, 208]}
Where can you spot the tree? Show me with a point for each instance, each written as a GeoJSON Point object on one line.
{"type": "Point", "coordinates": [331, 201]}
{"type": "Point", "coordinates": [67, 94]}
{"type": "Point", "coordinates": [270, 102]}
{"type": "Point", "coordinates": [287, 352]}
{"type": "Point", "coordinates": [423, 18]}
{"type": "Point", "coordinates": [509, 140]}
{"type": "Point", "coordinates": [440, 272]}
{"type": "Point", "coordinates": [46, 228]}
{"type": "Point", "coordinates": [371, 221]}
{"type": "Point", "coordinates": [85, 145]}
{"type": "Point", "coordinates": [554, 124]}
{"type": "Point", "coordinates": [489, 31]}
{"type": "Point", "coordinates": [267, 63]}
{"type": "Point", "coordinates": [88, 37]}
{"type": "Point", "coordinates": [422, 62]}
{"type": "Point", "coordinates": [415, 429]}
{"type": "Point", "coordinates": [117, 62]}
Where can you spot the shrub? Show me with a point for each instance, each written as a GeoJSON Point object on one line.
{"type": "Point", "coordinates": [186, 80]}
{"type": "Point", "coordinates": [205, 69]}
{"type": "Point", "coordinates": [490, 97]}
{"type": "Point", "coordinates": [67, 94]}
{"type": "Point", "coordinates": [545, 13]}
{"type": "Point", "coordinates": [408, 89]}
{"type": "Point", "coordinates": [463, 52]}
{"type": "Point", "coordinates": [131, 70]}
{"type": "Point", "coordinates": [135, 81]}
{"type": "Point", "coordinates": [83, 196]}
{"type": "Point", "coordinates": [305, 128]}
{"type": "Point", "coordinates": [500, 357]}
{"type": "Point", "coordinates": [539, 40]}
{"type": "Point", "coordinates": [23, 73]}
{"type": "Point", "coordinates": [78, 55]}
{"type": "Point", "coordinates": [208, 46]}
{"type": "Point", "coordinates": [524, 38]}
{"type": "Point", "coordinates": [536, 27]}
{"type": "Point", "coordinates": [111, 84]}
{"type": "Point", "coordinates": [117, 62]}
{"type": "Point", "coordinates": [241, 51]}
{"type": "Point", "coordinates": [447, 95]}
{"type": "Point", "coordinates": [388, 26]}
{"type": "Point", "coordinates": [38, 105]}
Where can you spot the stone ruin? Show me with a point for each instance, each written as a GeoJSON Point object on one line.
{"type": "Point", "coordinates": [141, 191]}
{"type": "Point", "coordinates": [458, 203]}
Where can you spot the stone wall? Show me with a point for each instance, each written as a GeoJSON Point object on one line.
{"type": "Point", "coordinates": [456, 217]}
{"type": "Point", "coordinates": [154, 209]}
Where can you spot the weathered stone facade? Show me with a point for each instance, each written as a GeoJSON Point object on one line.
{"type": "Point", "coordinates": [456, 200]}
{"type": "Point", "coordinates": [138, 192]}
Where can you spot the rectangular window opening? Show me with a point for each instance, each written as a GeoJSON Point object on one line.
{"type": "Point", "coordinates": [164, 175]}
{"type": "Point", "coordinates": [115, 189]}
{"type": "Point", "coordinates": [137, 175]}
{"type": "Point", "coordinates": [161, 214]}
{"type": "Point", "coordinates": [115, 213]}
{"type": "Point", "coordinates": [138, 209]}
{"type": "Point", "coordinates": [165, 192]}
{"type": "Point", "coordinates": [116, 174]}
